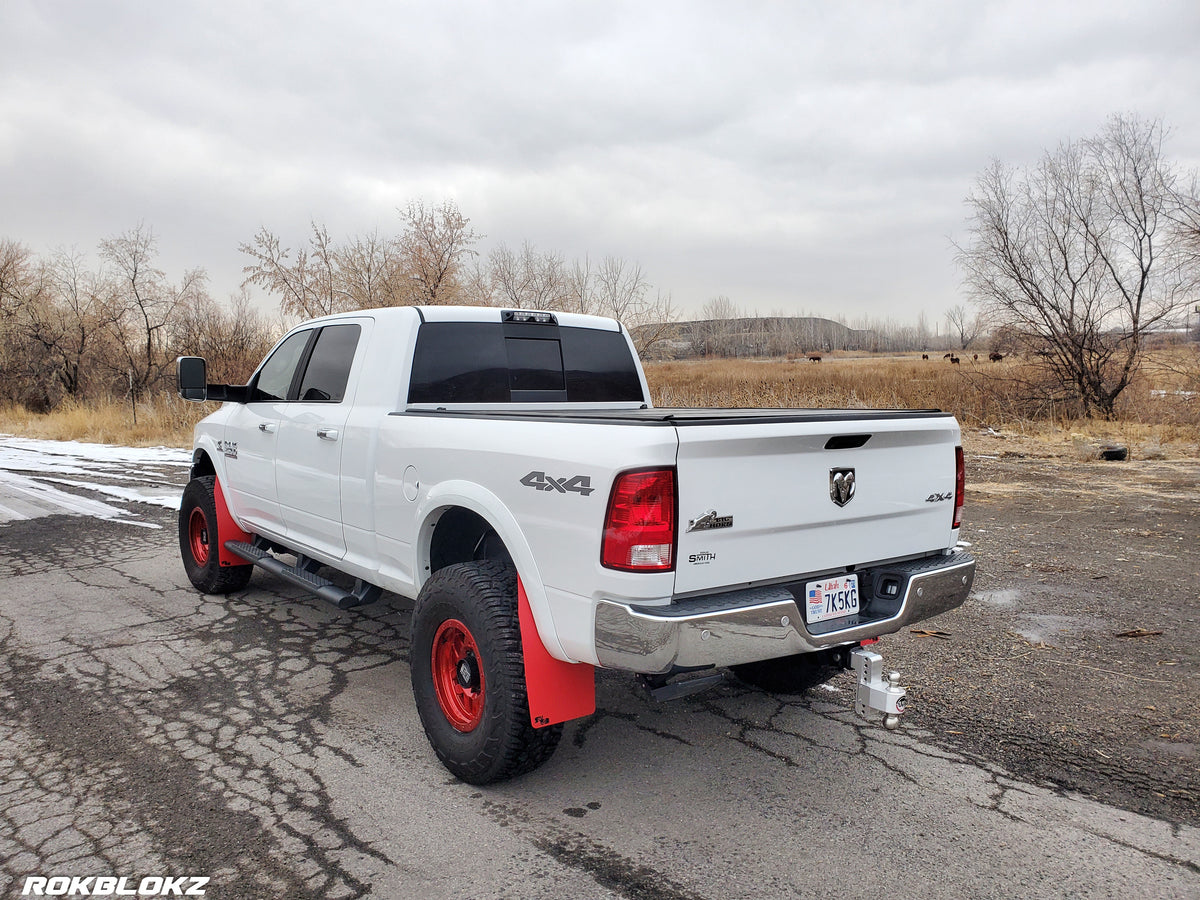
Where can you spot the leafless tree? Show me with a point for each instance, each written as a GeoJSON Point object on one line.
{"type": "Point", "coordinates": [965, 325]}
{"type": "Point", "coordinates": [307, 286]}
{"type": "Point", "coordinates": [1078, 254]}
{"type": "Point", "coordinates": [436, 243]}
{"type": "Point", "coordinates": [530, 279]}
{"type": "Point", "coordinates": [142, 306]}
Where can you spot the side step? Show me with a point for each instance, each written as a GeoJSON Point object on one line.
{"type": "Point", "coordinates": [303, 575]}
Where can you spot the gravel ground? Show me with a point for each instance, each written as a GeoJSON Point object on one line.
{"type": "Point", "coordinates": [1074, 662]}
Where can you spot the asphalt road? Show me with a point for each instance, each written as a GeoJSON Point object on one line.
{"type": "Point", "coordinates": [270, 743]}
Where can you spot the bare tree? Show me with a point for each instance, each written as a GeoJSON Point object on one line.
{"type": "Point", "coordinates": [963, 324]}
{"type": "Point", "coordinates": [142, 306]}
{"type": "Point", "coordinates": [1078, 255]}
{"type": "Point", "coordinates": [436, 243]}
{"type": "Point", "coordinates": [529, 279]}
{"type": "Point", "coordinates": [307, 287]}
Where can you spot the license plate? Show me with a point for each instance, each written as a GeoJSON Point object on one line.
{"type": "Point", "coordinates": [831, 598]}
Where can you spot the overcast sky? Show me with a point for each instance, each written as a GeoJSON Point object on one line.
{"type": "Point", "coordinates": [798, 156]}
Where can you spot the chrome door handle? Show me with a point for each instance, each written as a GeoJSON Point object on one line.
{"type": "Point", "coordinates": [327, 434]}
{"type": "Point", "coordinates": [266, 427]}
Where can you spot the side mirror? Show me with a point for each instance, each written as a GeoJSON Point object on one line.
{"type": "Point", "coordinates": [191, 376]}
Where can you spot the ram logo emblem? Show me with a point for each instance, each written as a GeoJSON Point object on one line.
{"type": "Point", "coordinates": [841, 486]}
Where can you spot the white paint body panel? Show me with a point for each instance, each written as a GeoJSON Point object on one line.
{"type": "Point", "coordinates": [367, 503]}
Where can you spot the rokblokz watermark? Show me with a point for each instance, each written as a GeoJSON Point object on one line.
{"type": "Point", "coordinates": [114, 886]}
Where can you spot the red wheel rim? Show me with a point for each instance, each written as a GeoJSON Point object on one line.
{"type": "Point", "coordinates": [458, 675]}
{"type": "Point", "coordinates": [198, 536]}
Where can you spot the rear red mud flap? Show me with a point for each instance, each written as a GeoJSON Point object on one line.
{"type": "Point", "coordinates": [558, 691]}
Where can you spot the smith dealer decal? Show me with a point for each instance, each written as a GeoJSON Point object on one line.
{"type": "Point", "coordinates": [571, 484]}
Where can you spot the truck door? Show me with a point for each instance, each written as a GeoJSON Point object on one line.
{"type": "Point", "coordinates": [251, 436]}
{"type": "Point", "coordinates": [311, 433]}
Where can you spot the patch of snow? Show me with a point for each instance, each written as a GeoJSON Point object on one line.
{"type": "Point", "coordinates": [33, 473]}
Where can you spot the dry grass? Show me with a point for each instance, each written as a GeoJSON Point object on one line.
{"type": "Point", "coordinates": [1152, 426]}
{"type": "Point", "coordinates": [167, 421]}
{"type": "Point", "coordinates": [977, 392]}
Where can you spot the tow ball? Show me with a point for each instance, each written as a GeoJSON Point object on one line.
{"type": "Point", "coordinates": [877, 693]}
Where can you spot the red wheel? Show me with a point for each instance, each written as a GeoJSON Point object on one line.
{"type": "Point", "coordinates": [198, 536]}
{"type": "Point", "coordinates": [457, 676]}
{"type": "Point", "coordinates": [468, 674]}
{"type": "Point", "coordinates": [200, 540]}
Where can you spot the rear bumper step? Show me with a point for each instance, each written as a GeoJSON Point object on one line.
{"type": "Point", "coordinates": [768, 622]}
{"type": "Point", "coordinates": [303, 575]}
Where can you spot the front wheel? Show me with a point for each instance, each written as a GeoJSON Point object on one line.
{"type": "Point", "coordinates": [200, 542]}
{"type": "Point", "coordinates": [468, 675]}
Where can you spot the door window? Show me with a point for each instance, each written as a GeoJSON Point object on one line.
{"type": "Point", "coordinates": [329, 366]}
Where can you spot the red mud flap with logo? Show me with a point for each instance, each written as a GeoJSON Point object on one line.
{"type": "Point", "coordinates": [557, 690]}
{"type": "Point", "coordinates": [228, 530]}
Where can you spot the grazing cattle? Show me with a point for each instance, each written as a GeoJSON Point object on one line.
{"type": "Point", "coordinates": [814, 357]}
{"type": "Point", "coordinates": [995, 357]}
{"type": "Point", "coordinates": [948, 356]}
{"type": "Point", "coordinates": [955, 360]}
{"type": "Point", "coordinates": [924, 356]}
{"type": "Point", "coordinates": [975, 356]}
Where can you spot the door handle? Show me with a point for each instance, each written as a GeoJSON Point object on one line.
{"type": "Point", "coordinates": [266, 427]}
{"type": "Point", "coordinates": [327, 434]}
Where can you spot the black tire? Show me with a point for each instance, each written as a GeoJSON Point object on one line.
{"type": "Point", "coordinates": [792, 674]}
{"type": "Point", "coordinates": [470, 687]}
{"type": "Point", "coordinates": [199, 541]}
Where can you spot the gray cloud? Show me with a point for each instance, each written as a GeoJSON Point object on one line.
{"type": "Point", "coordinates": [790, 155]}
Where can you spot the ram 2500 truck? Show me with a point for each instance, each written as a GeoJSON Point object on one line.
{"type": "Point", "coordinates": [506, 470]}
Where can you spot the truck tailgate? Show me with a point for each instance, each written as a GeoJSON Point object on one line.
{"type": "Point", "coordinates": [762, 499]}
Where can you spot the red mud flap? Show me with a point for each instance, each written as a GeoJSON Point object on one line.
{"type": "Point", "coordinates": [557, 690]}
{"type": "Point", "coordinates": [228, 530]}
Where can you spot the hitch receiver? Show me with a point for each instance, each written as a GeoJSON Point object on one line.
{"type": "Point", "coordinates": [875, 692]}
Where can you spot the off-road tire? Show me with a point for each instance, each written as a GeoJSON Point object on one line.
{"type": "Point", "coordinates": [494, 740]}
{"type": "Point", "coordinates": [792, 674]}
{"type": "Point", "coordinates": [200, 542]}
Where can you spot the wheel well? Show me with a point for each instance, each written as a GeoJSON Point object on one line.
{"type": "Point", "coordinates": [202, 465]}
{"type": "Point", "coordinates": [464, 536]}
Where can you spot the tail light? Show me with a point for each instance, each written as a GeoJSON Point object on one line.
{"type": "Point", "coordinates": [639, 529]}
{"type": "Point", "coordinates": [960, 486]}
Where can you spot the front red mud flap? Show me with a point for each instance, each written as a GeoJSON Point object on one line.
{"type": "Point", "coordinates": [557, 690]}
{"type": "Point", "coordinates": [228, 530]}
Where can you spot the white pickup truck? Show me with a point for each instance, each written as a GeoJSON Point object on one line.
{"type": "Point", "coordinates": [506, 470]}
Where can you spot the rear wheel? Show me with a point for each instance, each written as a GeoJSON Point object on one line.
{"type": "Point", "coordinates": [792, 674]}
{"type": "Point", "coordinates": [200, 542]}
{"type": "Point", "coordinates": [468, 675]}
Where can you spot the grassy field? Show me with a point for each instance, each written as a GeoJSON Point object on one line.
{"type": "Point", "coordinates": [1155, 421]}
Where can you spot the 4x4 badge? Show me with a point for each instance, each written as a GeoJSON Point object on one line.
{"type": "Point", "coordinates": [841, 486]}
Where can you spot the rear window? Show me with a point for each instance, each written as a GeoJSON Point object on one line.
{"type": "Point", "coordinates": [491, 362]}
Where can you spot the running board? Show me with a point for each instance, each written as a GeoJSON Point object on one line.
{"type": "Point", "coordinates": [303, 575]}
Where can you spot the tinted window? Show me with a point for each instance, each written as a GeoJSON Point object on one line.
{"type": "Point", "coordinates": [329, 366]}
{"type": "Point", "coordinates": [534, 365]}
{"type": "Point", "coordinates": [275, 376]}
{"type": "Point", "coordinates": [471, 362]}
{"type": "Point", "coordinates": [599, 367]}
{"type": "Point", "coordinates": [459, 362]}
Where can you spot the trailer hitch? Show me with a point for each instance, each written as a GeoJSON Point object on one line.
{"type": "Point", "coordinates": [875, 692]}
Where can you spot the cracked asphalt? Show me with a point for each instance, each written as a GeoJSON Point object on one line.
{"type": "Point", "coordinates": [270, 743]}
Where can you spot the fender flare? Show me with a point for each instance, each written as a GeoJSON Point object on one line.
{"type": "Point", "coordinates": [488, 506]}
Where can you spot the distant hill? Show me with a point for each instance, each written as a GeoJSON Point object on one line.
{"type": "Point", "coordinates": [752, 336]}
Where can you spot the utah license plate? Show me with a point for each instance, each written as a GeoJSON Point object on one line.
{"type": "Point", "coordinates": [831, 598]}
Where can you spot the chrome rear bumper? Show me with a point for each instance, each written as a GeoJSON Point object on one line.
{"type": "Point", "coordinates": [768, 622]}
